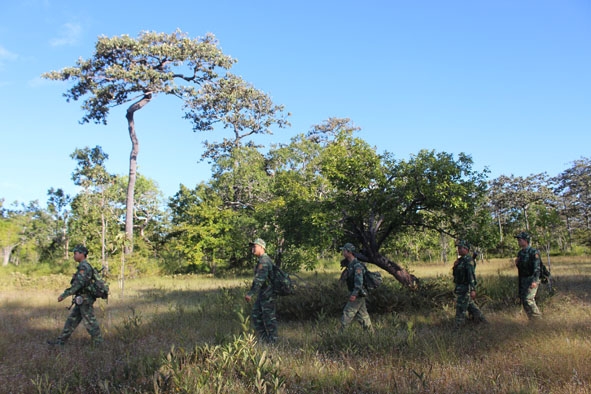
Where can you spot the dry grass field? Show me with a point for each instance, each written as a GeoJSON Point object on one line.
{"type": "Point", "coordinates": [190, 334]}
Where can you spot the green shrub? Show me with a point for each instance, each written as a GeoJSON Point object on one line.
{"type": "Point", "coordinates": [320, 295]}
{"type": "Point", "coordinates": [240, 366]}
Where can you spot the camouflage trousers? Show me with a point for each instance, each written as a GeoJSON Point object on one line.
{"type": "Point", "coordinates": [465, 303]}
{"type": "Point", "coordinates": [264, 316]}
{"type": "Point", "coordinates": [356, 310]}
{"type": "Point", "coordinates": [83, 312]}
{"type": "Point", "coordinates": [528, 298]}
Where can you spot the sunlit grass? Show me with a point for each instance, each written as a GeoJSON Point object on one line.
{"type": "Point", "coordinates": [162, 333]}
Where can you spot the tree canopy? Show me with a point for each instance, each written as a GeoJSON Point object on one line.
{"type": "Point", "coordinates": [125, 70]}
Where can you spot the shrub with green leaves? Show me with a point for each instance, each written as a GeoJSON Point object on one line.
{"type": "Point", "coordinates": [240, 366]}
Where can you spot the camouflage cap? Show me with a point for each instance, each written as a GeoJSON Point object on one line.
{"type": "Point", "coordinates": [349, 247]}
{"type": "Point", "coordinates": [463, 243]}
{"type": "Point", "coordinates": [523, 235]}
{"type": "Point", "coordinates": [81, 249]}
{"type": "Point", "coordinates": [260, 242]}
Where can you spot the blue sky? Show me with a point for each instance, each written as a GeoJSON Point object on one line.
{"type": "Point", "coordinates": [506, 81]}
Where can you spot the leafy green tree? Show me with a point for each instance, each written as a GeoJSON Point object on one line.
{"type": "Point", "coordinates": [240, 170]}
{"type": "Point", "coordinates": [573, 188]}
{"type": "Point", "coordinates": [516, 195]}
{"type": "Point", "coordinates": [28, 229]}
{"type": "Point", "coordinates": [12, 233]}
{"type": "Point", "coordinates": [378, 197]}
{"type": "Point", "coordinates": [123, 68]}
{"type": "Point", "coordinates": [236, 105]}
{"type": "Point", "coordinates": [149, 214]}
{"type": "Point", "coordinates": [240, 178]}
{"type": "Point", "coordinates": [58, 205]}
{"type": "Point", "coordinates": [204, 232]}
{"type": "Point", "coordinates": [228, 209]}
{"type": "Point", "coordinates": [301, 192]}
{"type": "Point", "coordinates": [95, 204]}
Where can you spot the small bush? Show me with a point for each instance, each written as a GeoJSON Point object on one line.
{"type": "Point", "coordinates": [240, 366]}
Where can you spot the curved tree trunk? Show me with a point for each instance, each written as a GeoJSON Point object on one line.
{"type": "Point", "coordinates": [135, 149]}
{"type": "Point", "coordinates": [391, 267]}
{"type": "Point", "coordinates": [366, 232]}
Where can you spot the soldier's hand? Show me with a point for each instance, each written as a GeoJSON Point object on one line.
{"type": "Point", "coordinates": [533, 285]}
{"type": "Point", "coordinates": [247, 298]}
{"type": "Point", "coordinates": [352, 298]}
{"type": "Point", "coordinates": [60, 298]}
{"type": "Point", "coordinates": [473, 294]}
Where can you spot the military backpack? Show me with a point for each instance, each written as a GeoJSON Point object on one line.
{"type": "Point", "coordinates": [281, 281]}
{"type": "Point", "coordinates": [544, 273]}
{"type": "Point", "coordinates": [97, 287]}
{"type": "Point", "coordinates": [371, 279]}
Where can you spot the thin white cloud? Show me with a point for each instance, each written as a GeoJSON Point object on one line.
{"type": "Point", "coordinates": [5, 54]}
{"type": "Point", "coordinates": [69, 35]}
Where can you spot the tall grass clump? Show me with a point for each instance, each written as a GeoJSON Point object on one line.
{"type": "Point", "coordinates": [239, 366]}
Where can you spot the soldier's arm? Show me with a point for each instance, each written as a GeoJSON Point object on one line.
{"type": "Point", "coordinates": [79, 281]}
{"type": "Point", "coordinates": [536, 265]}
{"type": "Point", "coordinates": [358, 281]}
{"type": "Point", "coordinates": [261, 275]}
{"type": "Point", "coordinates": [471, 275]}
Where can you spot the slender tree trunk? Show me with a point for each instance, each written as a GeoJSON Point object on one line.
{"type": "Point", "coordinates": [444, 247]}
{"type": "Point", "coordinates": [500, 226]}
{"type": "Point", "coordinates": [568, 225]}
{"type": "Point", "coordinates": [526, 218]}
{"type": "Point", "coordinates": [135, 149]}
{"type": "Point", "coordinates": [104, 262]}
{"type": "Point", "coordinates": [122, 276]}
{"type": "Point", "coordinates": [64, 236]}
{"type": "Point", "coordinates": [6, 252]}
{"type": "Point", "coordinates": [129, 202]}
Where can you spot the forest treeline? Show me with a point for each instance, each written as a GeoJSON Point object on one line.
{"type": "Point", "coordinates": [305, 197]}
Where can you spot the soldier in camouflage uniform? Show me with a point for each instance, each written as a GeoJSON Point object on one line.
{"type": "Point", "coordinates": [356, 307]}
{"type": "Point", "coordinates": [465, 286]}
{"type": "Point", "coordinates": [528, 269]}
{"type": "Point", "coordinates": [264, 310]}
{"type": "Point", "coordinates": [83, 302]}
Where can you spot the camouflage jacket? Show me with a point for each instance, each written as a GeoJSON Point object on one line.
{"type": "Point", "coordinates": [355, 271]}
{"type": "Point", "coordinates": [262, 275]}
{"type": "Point", "coordinates": [528, 263]}
{"type": "Point", "coordinates": [464, 272]}
{"type": "Point", "coordinates": [80, 279]}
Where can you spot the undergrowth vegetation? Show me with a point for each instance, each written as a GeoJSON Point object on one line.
{"type": "Point", "coordinates": [191, 334]}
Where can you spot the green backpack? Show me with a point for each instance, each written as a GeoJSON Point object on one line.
{"type": "Point", "coordinates": [544, 273]}
{"type": "Point", "coordinates": [282, 284]}
{"type": "Point", "coordinates": [372, 279]}
{"type": "Point", "coordinates": [98, 288]}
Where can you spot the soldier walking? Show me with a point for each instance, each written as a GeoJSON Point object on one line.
{"type": "Point", "coordinates": [528, 265]}
{"type": "Point", "coordinates": [83, 301]}
{"type": "Point", "coordinates": [264, 310]}
{"type": "Point", "coordinates": [465, 286]}
{"type": "Point", "coordinates": [356, 307]}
